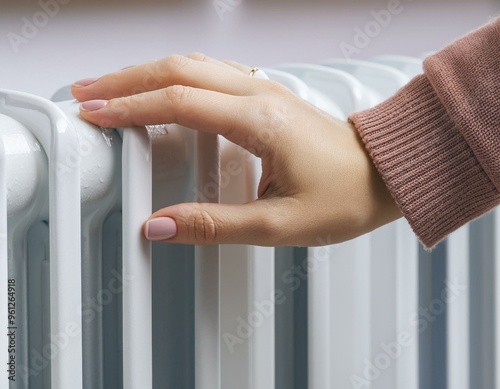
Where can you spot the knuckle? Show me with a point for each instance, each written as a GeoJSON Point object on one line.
{"type": "Point", "coordinates": [132, 109]}
{"type": "Point", "coordinates": [120, 108]}
{"type": "Point", "coordinates": [155, 74]}
{"type": "Point", "coordinates": [176, 62]}
{"type": "Point", "coordinates": [175, 95]}
{"type": "Point", "coordinates": [197, 56]}
{"type": "Point", "coordinates": [201, 226]}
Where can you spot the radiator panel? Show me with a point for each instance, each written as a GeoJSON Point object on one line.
{"type": "Point", "coordinates": [57, 135]}
{"type": "Point", "coordinates": [137, 291]}
{"type": "Point", "coordinates": [377, 311]}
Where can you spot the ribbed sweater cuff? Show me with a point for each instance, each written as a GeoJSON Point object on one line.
{"type": "Point", "coordinates": [425, 162]}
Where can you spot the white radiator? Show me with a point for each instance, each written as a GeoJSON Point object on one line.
{"type": "Point", "coordinates": [87, 303]}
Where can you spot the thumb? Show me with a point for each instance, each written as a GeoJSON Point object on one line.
{"type": "Point", "coordinates": [205, 223]}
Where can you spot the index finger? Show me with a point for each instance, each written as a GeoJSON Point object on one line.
{"type": "Point", "coordinates": [238, 118]}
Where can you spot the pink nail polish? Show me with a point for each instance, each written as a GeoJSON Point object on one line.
{"type": "Point", "coordinates": [93, 105]}
{"type": "Point", "coordinates": [161, 228]}
{"type": "Point", "coordinates": [85, 82]}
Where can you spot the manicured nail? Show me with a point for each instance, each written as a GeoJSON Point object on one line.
{"type": "Point", "coordinates": [93, 105]}
{"type": "Point", "coordinates": [161, 228]}
{"type": "Point", "coordinates": [85, 82]}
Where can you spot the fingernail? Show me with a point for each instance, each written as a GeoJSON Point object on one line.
{"type": "Point", "coordinates": [161, 228]}
{"type": "Point", "coordinates": [128, 67]}
{"type": "Point", "coordinates": [93, 105]}
{"type": "Point", "coordinates": [85, 81]}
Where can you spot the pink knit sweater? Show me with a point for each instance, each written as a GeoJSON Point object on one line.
{"type": "Point", "coordinates": [436, 143]}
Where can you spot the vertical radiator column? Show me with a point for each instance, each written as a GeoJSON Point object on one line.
{"type": "Point", "coordinates": [58, 137]}
{"type": "Point", "coordinates": [137, 291]}
{"type": "Point", "coordinates": [394, 304]}
{"type": "Point", "coordinates": [318, 317]}
{"type": "Point", "coordinates": [247, 295]}
{"type": "Point", "coordinates": [262, 348]}
{"type": "Point", "coordinates": [261, 264]}
{"type": "Point", "coordinates": [406, 305]}
{"type": "Point", "coordinates": [458, 329]}
{"type": "Point", "coordinates": [346, 341]}
{"type": "Point", "coordinates": [27, 200]}
{"type": "Point", "coordinates": [483, 298]}
{"type": "Point", "coordinates": [207, 274]}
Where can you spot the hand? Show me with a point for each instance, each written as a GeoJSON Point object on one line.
{"type": "Point", "coordinates": [318, 184]}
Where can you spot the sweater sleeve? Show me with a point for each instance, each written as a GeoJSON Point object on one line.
{"type": "Point", "coordinates": [436, 142]}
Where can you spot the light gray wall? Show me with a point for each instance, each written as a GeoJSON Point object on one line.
{"type": "Point", "coordinates": [89, 38]}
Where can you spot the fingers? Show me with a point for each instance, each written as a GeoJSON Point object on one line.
{"type": "Point", "coordinates": [202, 72]}
{"type": "Point", "coordinates": [201, 224]}
{"type": "Point", "coordinates": [239, 119]}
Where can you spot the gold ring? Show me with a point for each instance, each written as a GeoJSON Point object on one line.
{"type": "Point", "coordinates": [253, 71]}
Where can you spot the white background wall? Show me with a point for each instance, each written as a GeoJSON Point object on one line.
{"type": "Point", "coordinates": [89, 38]}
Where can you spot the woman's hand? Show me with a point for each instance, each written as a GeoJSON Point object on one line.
{"type": "Point", "coordinates": [318, 184]}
